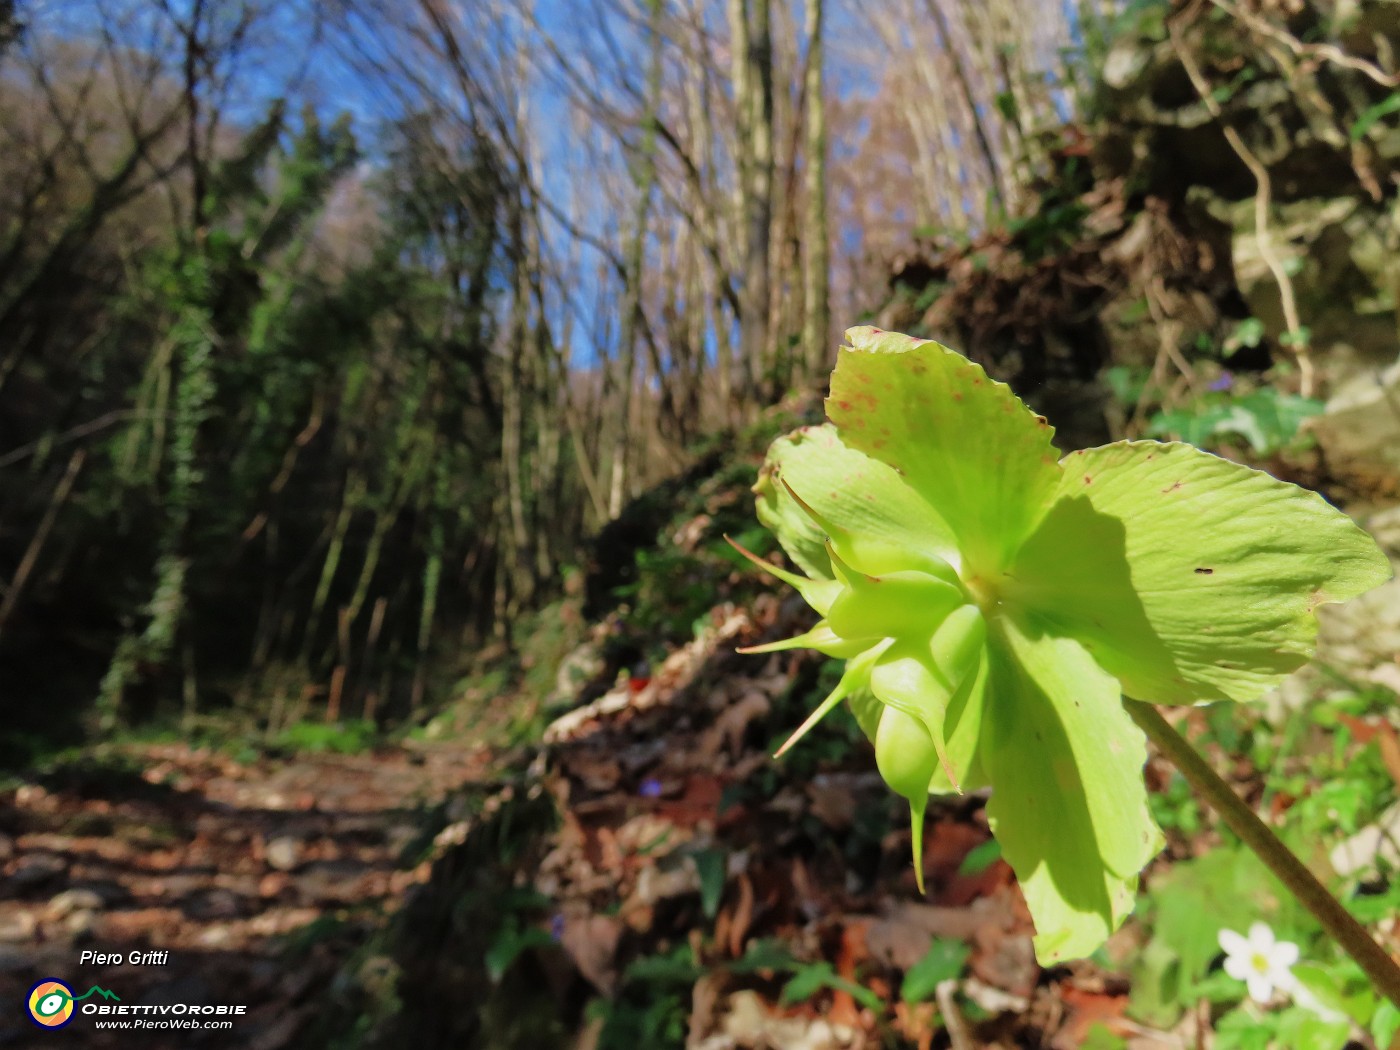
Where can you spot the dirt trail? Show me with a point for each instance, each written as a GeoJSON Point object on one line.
{"type": "Point", "coordinates": [256, 878]}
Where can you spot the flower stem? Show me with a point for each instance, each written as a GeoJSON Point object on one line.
{"type": "Point", "coordinates": [1244, 822]}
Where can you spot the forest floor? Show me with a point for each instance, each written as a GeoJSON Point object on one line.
{"type": "Point", "coordinates": [255, 877]}
{"type": "Point", "coordinates": [629, 866]}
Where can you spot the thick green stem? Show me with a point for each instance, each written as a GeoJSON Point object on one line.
{"type": "Point", "coordinates": [1302, 883]}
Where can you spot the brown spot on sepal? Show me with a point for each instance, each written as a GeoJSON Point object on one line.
{"type": "Point", "coordinates": [1204, 572]}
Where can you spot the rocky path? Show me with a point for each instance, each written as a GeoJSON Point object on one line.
{"type": "Point", "coordinates": [255, 878]}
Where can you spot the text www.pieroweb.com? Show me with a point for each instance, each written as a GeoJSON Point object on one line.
{"type": "Point", "coordinates": [149, 1016]}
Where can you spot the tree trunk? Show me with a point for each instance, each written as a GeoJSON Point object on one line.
{"type": "Point", "coordinates": [752, 46]}
{"type": "Point", "coordinates": [644, 179]}
{"type": "Point", "coordinates": [816, 321]}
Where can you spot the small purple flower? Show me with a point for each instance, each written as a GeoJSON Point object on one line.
{"type": "Point", "coordinates": [651, 788]}
{"type": "Point", "coordinates": [1225, 382]}
{"type": "Point", "coordinates": [556, 926]}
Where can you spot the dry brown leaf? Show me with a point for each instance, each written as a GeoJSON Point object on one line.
{"type": "Point", "coordinates": [591, 941]}
{"type": "Point", "coordinates": [1087, 1009]}
{"type": "Point", "coordinates": [741, 917]}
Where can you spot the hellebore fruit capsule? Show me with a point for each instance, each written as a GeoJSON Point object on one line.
{"type": "Point", "coordinates": [907, 760]}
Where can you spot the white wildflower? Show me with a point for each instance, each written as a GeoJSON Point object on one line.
{"type": "Point", "coordinates": [1262, 962]}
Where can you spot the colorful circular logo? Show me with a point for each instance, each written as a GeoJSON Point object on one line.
{"type": "Point", "coordinates": [51, 1003]}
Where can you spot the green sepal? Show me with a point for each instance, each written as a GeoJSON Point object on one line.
{"type": "Point", "coordinates": [960, 440]}
{"type": "Point", "coordinates": [852, 495]}
{"type": "Point", "coordinates": [874, 556]}
{"type": "Point", "coordinates": [1068, 805]}
{"type": "Point", "coordinates": [1189, 577]}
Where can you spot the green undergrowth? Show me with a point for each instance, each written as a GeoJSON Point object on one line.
{"type": "Point", "coordinates": [349, 737]}
{"type": "Point", "coordinates": [674, 568]}
{"type": "Point", "coordinates": [1307, 769]}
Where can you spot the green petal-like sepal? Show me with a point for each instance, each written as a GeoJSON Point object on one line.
{"type": "Point", "coordinates": [1190, 577]}
{"type": "Point", "coordinates": [1068, 803]}
{"type": "Point", "coordinates": [962, 441]}
{"type": "Point", "coordinates": [853, 495]}
{"type": "Point", "coordinates": [874, 555]}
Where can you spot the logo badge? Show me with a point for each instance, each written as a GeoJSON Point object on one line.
{"type": "Point", "coordinates": [51, 1003]}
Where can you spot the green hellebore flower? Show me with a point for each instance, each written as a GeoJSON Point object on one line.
{"type": "Point", "coordinates": [994, 602]}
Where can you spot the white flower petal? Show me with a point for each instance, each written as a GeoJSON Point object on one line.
{"type": "Point", "coordinates": [1237, 966]}
{"type": "Point", "coordinates": [1261, 938]}
{"type": "Point", "coordinates": [1233, 943]}
{"type": "Point", "coordinates": [1261, 989]}
{"type": "Point", "coordinates": [1284, 954]}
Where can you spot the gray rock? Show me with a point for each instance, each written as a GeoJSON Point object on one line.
{"type": "Point", "coordinates": [1360, 431]}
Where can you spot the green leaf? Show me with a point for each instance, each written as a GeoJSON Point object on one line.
{"type": "Point", "coordinates": [678, 968]}
{"type": "Point", "coordinates": [1241, 1030]}
{"type": "Point", "coordinates": [1373, 115]}
{"type": "Point", "coordinates": [508, 945]}
{"type": "Point", "coordinates": [1327, 990]}
{"type": "Point", "coordinates": [1069, 806]}
{"type": "Point", "coordinates": [962, 441]}
{"type": "Point", "coordinates": [712, 867]}
{"type": "Point", "coordinates": [1187, 576]}
{"type": "Point", "coordinates": [799, 535]}
{"type": "Point", "coordinates": [1101, 1037]}
{"type": "Point", "coordinates": [944, 961]}
{"type": "Point", "coordinates": [1385, 1025]}
{"type": "Point", "coordinates": [1301, 1029]}
{"type": "Point", "coordinates": [852, 492]}
{"type": "Point", "coordinates": [1267, 419]}
{"type": "Point", "coordinates": [813, 977]}
{"type": "Point", "coordinates": [1126, 383]}
{"type": "Point", "coordinates": [1248, 333]}
{"type": "Point", "coordinates": [980, 858]}
{"type": "Point", "coordinates": [767, 953]}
